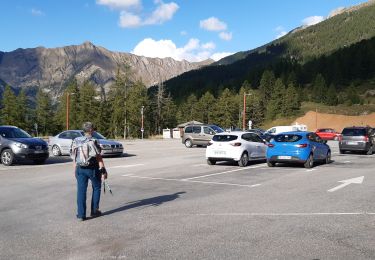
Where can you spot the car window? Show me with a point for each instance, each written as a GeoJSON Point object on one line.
{"type": "Point", "coordinates": [74, 135]}
{"type": "Point", "coordinates": [354, 132]}
{"type": "Point", "coordinates": [64, 135]}
{"type": "Point", "coordinates": [208, 131]}
{"type": "Point", "coordinates": [272, 130]}
{"type": "Point", "coordinates": [216, 129]}
{"type": "Point", "coordinates": [13, 133]}
{"type": "Point", "coordinates": [189, 130]}
{"type": "Point", "coordinates": [246, 137]}
{"type": "Point", "coordinates": [196, 129]}
{"type": "Point", "coordinates": [288, 138]}
{"type": "Point", "coordinates": [224, 138]}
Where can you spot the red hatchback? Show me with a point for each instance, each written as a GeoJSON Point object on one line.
{"type": "Point", "coordinates": [328, 134]}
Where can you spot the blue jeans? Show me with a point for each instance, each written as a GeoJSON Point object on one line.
{"type": "Point", "coordinates": [83, 175]}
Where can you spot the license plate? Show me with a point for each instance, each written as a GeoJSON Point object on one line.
{"type": "Point", "coordinates": [284, 157]}
{"type": "Point", "coordinates": [352, 143]}
{"type": "Point", "coordinates": [39, 151]}
{"type": "Point", "coordinates": [219, 152]}
{"type": "Point", "coordinates": [116, 150]}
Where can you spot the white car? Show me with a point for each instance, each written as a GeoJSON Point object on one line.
{"type": "Point", "coordinates": [236, 146]}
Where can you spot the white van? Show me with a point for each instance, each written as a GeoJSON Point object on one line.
{"type": "Point", "coordinates": [287, 128]}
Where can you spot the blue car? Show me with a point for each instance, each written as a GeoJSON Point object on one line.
{"type": "Point", "coordinates": [297, 147]}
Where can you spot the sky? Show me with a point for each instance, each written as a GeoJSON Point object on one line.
{"type": "Point", "coordinates": [193, 30]}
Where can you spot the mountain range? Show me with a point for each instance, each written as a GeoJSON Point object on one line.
{"type": "Point", "coordinates": [53, 68]}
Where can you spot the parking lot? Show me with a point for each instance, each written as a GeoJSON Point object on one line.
{"type": "Point", "coordinates": [169, 204]}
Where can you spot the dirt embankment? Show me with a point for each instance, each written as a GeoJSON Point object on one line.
{"type": "Point", "coordinates": [315, 120]}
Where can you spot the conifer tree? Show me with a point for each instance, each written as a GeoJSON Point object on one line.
{"type": "Point", "coordinates": [22, 111]}
{"type": "Point", "coordinates": [137, 98]}
{"type": "Point", "coordinates": [319, 88]}
{"type": "Point", "coordinates": [225, 110]}
{"type": "Point", "coordinates": [291, 102]}
{"type": "Point", "coordinates": [89, 105]}
{"type": "Point", "coordinates": [331, 96]}
{"type": "Point", "coordinates": [275, 104]}
{"type": "Point", "coordinates": [74, 107]}
{"type": "Point", "coordinates": [9, 114]}
{"type": "Point", "coordinates": [205, 106]}
{"type": "Point", "coordinates": [266, 86]}
{"type": "Point", "coordinates": [43, 112]}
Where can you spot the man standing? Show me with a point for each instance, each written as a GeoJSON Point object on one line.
{"type": "Point", "coordinates": [88, 164]}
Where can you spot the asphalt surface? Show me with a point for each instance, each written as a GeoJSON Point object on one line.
{"type": "Point", "coordinates": [169, 204]}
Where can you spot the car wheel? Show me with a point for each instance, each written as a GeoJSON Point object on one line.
{"type": "Point", "coordinates": [309, 162]}
{"type": "Point", "coordinates": [243, 160]}
{"type": "Point", "coordinates": [328, 157]}
{"type": "Point", "coordinates": [7, 157]}
{"type": "Point", "coordinates": [342, 151]}
{"type": "Point", "coordinates": [188, 143]}
{"type": "Point", "coordinates": [211, 162]}
{"type": "Point", "coordinates": [271, 164]}
{"type": "Point", "coordinates": [56, 150]}
{"type": "Point", "coordinates": [39, 161]}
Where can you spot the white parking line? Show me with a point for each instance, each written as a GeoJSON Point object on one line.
{"type": "Point", "coordinates": [310, 170]}
{"type": "Point", "coordinates": [219, 173]}
{"type": "Point", "coordinates": [291, 214]}
{"type": "Point", "coordinates": [125, 166]}
{"type": "Point", "coordinates": [200, 165]}
{"type": "Point", "coordinates": [186, 180]}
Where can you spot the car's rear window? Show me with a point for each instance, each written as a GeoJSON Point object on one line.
{"type": "Point", "coordinates": [354, 132]}
{"type": "Point", "coordinates": [224, 138]}
{"type": "Point", "coordinates": [287, 138]}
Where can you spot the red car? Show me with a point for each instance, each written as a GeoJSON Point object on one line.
{"type": "Point", "coordinates": [328, 134]}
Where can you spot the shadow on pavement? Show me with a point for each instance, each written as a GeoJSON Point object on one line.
{"type": "Point", "coordinates": [155, 201]}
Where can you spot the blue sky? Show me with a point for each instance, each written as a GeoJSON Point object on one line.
{"type": "Point", "coordinates": [182, 29]}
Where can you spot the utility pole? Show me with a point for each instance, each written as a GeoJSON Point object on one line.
{"type": "Point", "coordinates": [142, 129]}
{"type": "Point", "coordinates": [67, 111]}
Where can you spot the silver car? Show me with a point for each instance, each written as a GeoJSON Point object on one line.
{"type": "Point", "coordinates": [61, 143]}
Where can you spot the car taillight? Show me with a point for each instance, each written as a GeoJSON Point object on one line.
{"type": "Point", "coordinates": [340, 137]}
{"type": "Point", "coordinates": [365, 138]}
{"type": "Point", "coordinates": [302, 145]}
{"type": "Point", "coordinates": [235, 144]}
{"type": "Point", "coordinates": [271, 145]}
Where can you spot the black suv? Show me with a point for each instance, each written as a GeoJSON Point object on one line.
{"type": "Point", "coordinates": [357, 138]}
{"type": "Point", "coordinates": [16, 144]}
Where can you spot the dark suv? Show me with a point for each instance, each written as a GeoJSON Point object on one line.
{"type": "Point", "coordinates": [16, 144]}
{"type": "Point", "coordinates": [357, 139]}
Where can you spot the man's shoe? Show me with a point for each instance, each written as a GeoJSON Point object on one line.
{"type": "Point", "coordinates": [95, 214]}
{"type": "Point", "coordinates": [82, 219]}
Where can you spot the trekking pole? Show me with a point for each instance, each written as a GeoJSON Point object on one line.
{"type": "Point", "coordinates": [106, 186]}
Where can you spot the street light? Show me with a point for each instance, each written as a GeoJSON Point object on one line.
{"type": "Point", "coordinates": [244, 111]}
{"type": "Point", "coordinates": [67, 109]}
{"type": "Point", "coordinates": [142, 129]}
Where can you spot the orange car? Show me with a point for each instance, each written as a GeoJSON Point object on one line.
{"type": "Point", "coordinates": [328, 134]}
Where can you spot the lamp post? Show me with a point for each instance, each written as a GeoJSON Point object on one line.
{"type": "Point", "coordinates": [244, 111]}
{"type": "Point", "coordinates": [142, 129]}
{"type": "Point", "coordinates": [67, 108]}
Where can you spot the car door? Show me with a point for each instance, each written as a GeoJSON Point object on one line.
{"type": "Point", "coordinates": [249, 145]}
{"type": "Point", "coordinates": [320, 150]}
{"type": "Point", "coordinates": [65, 141]}
{"type": "Point", "coordinates": [260, 145]}
{"type": "Point", "coordinates": [208, 133]}
{"type": "Point", "coordinates": [314, 145]}
{"type": "Point", "coordinates": [197, 135]}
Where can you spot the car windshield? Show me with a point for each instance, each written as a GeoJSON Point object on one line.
{"type": "Point", "coordinates": [354, 132]}
{"type": "Point", "coordinates": [216, 129]}
{"type": "Point", "coordinates": [288, 138]}
{"type": "Point", "coordinates": [224, 138]}
{"type": "Point", "coordinates": [96, 135]}
{"type": "Point", "coordinates": [13, 133]}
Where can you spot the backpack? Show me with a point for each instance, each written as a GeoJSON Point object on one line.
{"type": "Point", "coordinates": [84, 151]}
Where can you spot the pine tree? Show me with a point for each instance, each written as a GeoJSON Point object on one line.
{"type": "Point", "coordinates": [22, 111]}
{"type": "Point", "coordinates": [319, 88]}
{"type": "Point", "coordinates": [275, 104]}
{"type": "Point", "coordinates": [205, 106]}
{"type": "Point", "coordinates": [331, 96]}
{"type": "Point", "coordinates": [9, 112]}
{"type": "Point", "coordinates": [89, 105]}
{"type": "Point", "coordinates": [291, 102]}
{"type": "Point", "coordinates": [225, 110]}
{"type": "Point", "coordinates": [266, 86]}
{"type": "Point", "coordinates": [74, 107]}
{"type": "Point", "coordinates": [137, 98]}
{"type": "Point", "coordinates": [43, 112]}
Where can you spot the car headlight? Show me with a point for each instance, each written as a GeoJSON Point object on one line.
{"type": "Point", "coordinates": [105, 146]}
{"type": "Point", "coordinates": [120, 145]}
{"type": "Point", "coordinates": [20, 145]}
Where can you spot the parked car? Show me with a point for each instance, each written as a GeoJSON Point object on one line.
{"type": "Point", "coordinates": [61, 143]}
{"type": "Point", "coordinates": [199, 134]}
{"type": "Point", "coordinates": [273, 131]}
{"type": "Point", "coordinates": [18, 145]}
{"type": "Point", "coordinates": [328, 134]}
{"type": "Point", "coordinates": [357, 138]}
{"type": "Point", "coordinates": [297, 147]}
{"type": "Point", "coordinates": [240, 147]}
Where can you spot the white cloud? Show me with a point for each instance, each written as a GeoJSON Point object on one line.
{"type": "Point", "coordinates": [336, 11]}
{"type": "Point", "coordinates": [129, 20]}
{"type": "Point", "coordinates": [37, 12]}
{"type": "Point", "coordinates": [308, 21]}
{"type": "Point", "coordinates": [226, 36]}
{"type": "Point", "coordinates": [183, 33]}
{"type": "Point", "coordinates": [280, 31]}
{"type": "Point", "coordinates": [120, 4]}
{"type": "Point", "coordinates": [162, 13]}
{"type": "Point", "coordinates": [213, 24]}
{"type": "Point", "coordinates": [192, 51]}
{"type": "Point", "coordinates": [219, 55]}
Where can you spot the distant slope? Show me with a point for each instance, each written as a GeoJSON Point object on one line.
{"type": "Point", "coordinates": [53, 68]}
{"type": "Point", "coordinates": [346, 27]}
{"type": "Point", "coordinates": [341, 37]}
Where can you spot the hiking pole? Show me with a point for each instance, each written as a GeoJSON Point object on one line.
{"type": "Point", "coordinates": [106, 185]}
